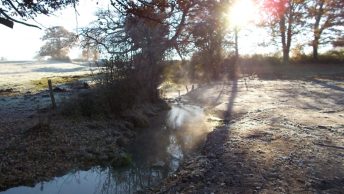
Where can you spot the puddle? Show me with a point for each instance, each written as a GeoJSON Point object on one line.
{"type": "Point", "coordinates": [156, 154]}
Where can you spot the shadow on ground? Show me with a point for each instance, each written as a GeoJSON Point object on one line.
{"type": "Point", "coordinates": [277, 136]}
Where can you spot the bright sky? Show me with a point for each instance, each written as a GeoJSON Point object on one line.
{"type": "Point", "coordinates": [23, 43]}
{"type": "Point", "coordinates": [244, 15]}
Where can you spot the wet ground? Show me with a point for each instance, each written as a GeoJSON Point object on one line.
{"type": "Point", "coordinates": [272, 136]}
{"type": "Point", "coordinates": [265, 135]}
{"type": "Point", "coordinates": [154, 154]}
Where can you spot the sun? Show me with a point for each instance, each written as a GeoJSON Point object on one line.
{"type": "Point", "coordinates": [242, 14]}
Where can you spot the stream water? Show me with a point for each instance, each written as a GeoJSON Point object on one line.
{"type": "Point", "coordinates": [156, 153]}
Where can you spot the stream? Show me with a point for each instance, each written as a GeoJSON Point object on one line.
{"type": "Point", "coordinates": [156, 153]}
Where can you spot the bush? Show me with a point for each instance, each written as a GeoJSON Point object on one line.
{"type": "Point", "coordinates": [332, 56]}
{"type": "Point", "coordinates": [84, 104]}
{"type": "Point", "coordinates": [118, 89]}
{"type": "Point", "coordinates": [120, 95]}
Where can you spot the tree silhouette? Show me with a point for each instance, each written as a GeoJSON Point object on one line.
{"type": "Point", "coordinates": [208, 30]}
{"type": "Point", "coordinates": [286, 19]}
{"type": "Point", "coordinates": [20, 11]}
{"type": "Point", "coordinates": [140, 33]}
{"type": "Point", "coordinates": [326, 16]}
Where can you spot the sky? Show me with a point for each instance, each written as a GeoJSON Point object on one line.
{"type": "Point", "coordinates": [23, 42]}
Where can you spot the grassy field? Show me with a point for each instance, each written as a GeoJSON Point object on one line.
{"type": "Point", "coordinates": [23, 76]}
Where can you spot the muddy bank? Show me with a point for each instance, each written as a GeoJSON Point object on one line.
{"type": "Point", "coordinates": [42, 152]}
{"type": "Point", "coordinates": [273, 136]}
{"type": "Point", "coordinates": [40, 146]}
{"type": "Point", "coordinates": [154, 153]}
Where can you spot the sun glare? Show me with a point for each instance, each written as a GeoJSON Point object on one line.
{"type": "Point", "coordinates": [242, 13]}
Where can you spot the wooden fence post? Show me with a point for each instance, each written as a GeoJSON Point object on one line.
{"type": "Point", "coordinates": [51, 94]}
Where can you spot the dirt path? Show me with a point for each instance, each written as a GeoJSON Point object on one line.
{"type": "Point", "coordinates": [273, 136]}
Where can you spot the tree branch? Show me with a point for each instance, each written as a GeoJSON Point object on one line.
{"type": "Point", "coordinates": [10, 19]}
{"type": "Point", "coordinates": [6, 22]}
{"type": "Point", "coordinates": [15, 8]}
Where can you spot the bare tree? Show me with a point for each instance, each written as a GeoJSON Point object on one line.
{"type": "Point", "coordinates": [285, 18]}
{"type": "Point", "coordinates": [326, 16]}
{"type": "Point", "coordinates": [141, 33]}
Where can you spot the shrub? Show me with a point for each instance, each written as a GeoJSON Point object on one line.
{"type": "Point", "coordinates": [332, 56]}
{"type": "Point", "coordinates": [118, 89]}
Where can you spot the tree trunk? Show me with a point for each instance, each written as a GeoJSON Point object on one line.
{"type": "Point", "coordinates": [236, 31]}
{"type": "Point", "coordinates": [316, 30]}
{"type": "Point", "coordinates": [315, 49]}
{"type": "Point", "coordinates": [284, 40]}
{"type": "Point", "coordinates": [315, 43]}
{"type": "Point", "coordinates": [285, 57]}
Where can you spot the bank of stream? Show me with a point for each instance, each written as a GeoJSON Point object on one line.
{"type": "Point", "coordinates": [155, 154]}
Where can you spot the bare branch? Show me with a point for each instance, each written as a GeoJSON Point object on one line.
{"type": "Point", "coordinates": [15, 8]}
{"type": "Point", "coordinates": [6, 22]}
{"type": "Point", "coordinates": [17, 21]}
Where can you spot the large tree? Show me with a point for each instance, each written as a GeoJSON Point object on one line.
{"type": "Point", "coordinates": [286, 19]}
{"type": "Point", "coordinates": [140, 32]}
{"type": "Point", "coordinates": [58, 41]}
{"type": "Point", "coordinates": [20, 11]}
{"type": "Point", "coordinates": [326, 16]}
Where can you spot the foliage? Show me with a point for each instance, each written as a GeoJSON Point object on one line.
{"type": "Point", "coordinates": [329, 57]}
{"type": "Point", "coordinates": [90, 54]}
{"type": "Point", "coordinates": [117, 90]}
{"type": "Point", "coordinates": [140, 34]}
{"type": "Point", "coordinates": [261, 60]}
{"type": "Point", "coordinates": [58, 41]}
{"type": "Point", "coordinates": [208, 32]}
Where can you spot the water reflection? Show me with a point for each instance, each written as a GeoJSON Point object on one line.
{"type": "Point", "coordinates": [188, 125]}
{"type": "Point", "coordinates": [96, 181]}
{"type": "Point", "coordinates": [156, 154]}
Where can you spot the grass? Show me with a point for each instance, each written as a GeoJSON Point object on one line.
{"type": "Point", "coordinates": [42, 83]}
